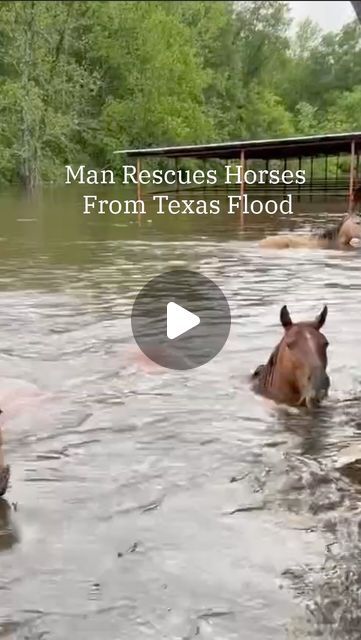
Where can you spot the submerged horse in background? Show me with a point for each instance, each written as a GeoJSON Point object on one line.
{"type": "Point", "coordinates": [346, 233]}
{"type": "Point", "coordinates": [295, 373]}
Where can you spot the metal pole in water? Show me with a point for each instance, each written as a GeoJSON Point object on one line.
{"type": "Point", "coordinates": [351, 181]}
{"type": "Point", "coordinates": [204, 172]}
{"type": "Point", "coordinates": [265, 191]}
{"type": "Point", "coordinates": [299, 186]}
{"type": "Point", "coordinates": [176, 170]}
{"type": "Point", "coordinates": [241, 190]}
{"type": "Point", "coordinates": [139, 192]}
{"type": "Point", "coordinates": [284, 169]}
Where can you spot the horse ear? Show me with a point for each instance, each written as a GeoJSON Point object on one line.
{"type": "Point", "coordinates": [321, 318]}
{"type": "Point", "coordinates": [285, 318]}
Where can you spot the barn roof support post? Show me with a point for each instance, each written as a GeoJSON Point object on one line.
{"type": "Point", "coordinates": [284, 169]}
{"type": "Point", "coordinates": [176, 172]}
{"type": "Point", "coordinates": [267, 176]}
{"type": "Point", "coordinates": [241, 190]}
{"type": "Point", "coordinates": [351, 179]}
{"type": "Point", "coordinates": [298, 185]}
{"type": "Point", "coordinates": [139, 193]}
{"type": "Point", "coordinates": [357, 168]}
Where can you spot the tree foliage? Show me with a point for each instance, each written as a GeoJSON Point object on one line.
{"type": "Point", "coordinates": [81, 79]}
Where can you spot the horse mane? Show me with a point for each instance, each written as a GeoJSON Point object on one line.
{"type": "Point", "coordinates": [264, 373]}
{"type": "Point", "coordinates": [331, 232]}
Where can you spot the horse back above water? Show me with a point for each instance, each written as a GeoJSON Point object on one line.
{"type": "Point", "coordinates": [345, 234]}
{"type": "Point", "coordinates": [296, 371]}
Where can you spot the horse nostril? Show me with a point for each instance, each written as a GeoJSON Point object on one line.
{"type": "Point", "coordinates": [318, 380]}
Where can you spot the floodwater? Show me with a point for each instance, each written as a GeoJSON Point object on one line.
{"type": "Point", "coordinates": [163, 504]}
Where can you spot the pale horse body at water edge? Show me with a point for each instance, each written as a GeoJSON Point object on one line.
{"type": "Point", "coordinates": [346, 234]}
{"type": "Point", "coordinates": [295, 373]}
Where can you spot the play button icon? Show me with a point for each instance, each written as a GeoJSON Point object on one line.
{"type": "Point", "coordinates": [180, 319]}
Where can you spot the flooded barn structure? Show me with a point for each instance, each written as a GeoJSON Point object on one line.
{"type": "Point", "coordinates": [331, 162]}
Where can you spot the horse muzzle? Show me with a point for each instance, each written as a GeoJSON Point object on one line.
{"type": "Point", "coordinates": [317, 390]}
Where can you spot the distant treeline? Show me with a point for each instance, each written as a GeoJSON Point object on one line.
{"type": "Point", "coordinates": [81, 79]}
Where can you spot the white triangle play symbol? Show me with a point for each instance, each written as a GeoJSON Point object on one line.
{"type": "Point", "coordinates": [179, 320]}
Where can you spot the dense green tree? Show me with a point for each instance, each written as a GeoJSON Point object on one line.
{"type": "Point", "coordinates": [322, 63]}
{"type": "Point", "coordinates": [345, 112]}
{"type": "Point", "coordinates": [45, 89]}
{"type": "Point", "coordinates": [154, 79]}
{"type": "Point", "coordinates": [306, 119]}
{"type": "Point", "coordinates": [46, 92]}
{"type": "Point", "coordinates": [80, 79]}
{"type": "Point", "coordinates": [215, 36]}
{"type": "Point", "coordinates": [262, 42]}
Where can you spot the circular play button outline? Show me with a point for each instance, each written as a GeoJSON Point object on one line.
{"type": "Point", "coordinates": [186, 295]}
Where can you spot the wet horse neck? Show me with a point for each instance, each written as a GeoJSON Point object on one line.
{"type": "Point", "coordinates": [343, 238]}
{"type": "Point", "coordinates": [333, 236]}
{"type": "Point", "coordinates": [341, 234]}
{"type": "Point", "coordinates": [277, 378]}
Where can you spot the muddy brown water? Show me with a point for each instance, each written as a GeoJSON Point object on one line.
{"type": "Point", "coordinates": [162, 504]}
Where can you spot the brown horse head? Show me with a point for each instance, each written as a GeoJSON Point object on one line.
{"type": "Point", "coordinates": [296, 371]}
{"type": "Point", "coordinates": [304, 356]}
{"type": "Point", "coordinates": [350, 230]}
